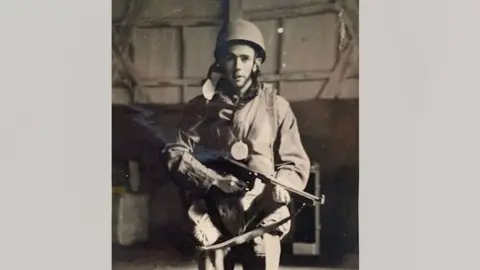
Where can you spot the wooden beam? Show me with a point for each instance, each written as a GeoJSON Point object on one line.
{"type": "Point", "coordinates": [123, 37]}
{"type": "Point", "coordinates": [120, 43]}
{"type": "Point", "coordinates": [290, 11]}
{"type": "Point", "coordinates": [166, 82]}
{"type": "Point", "coordinates": [182, 60]}
{"type": "Point", "coordinates": [334, 83]}
{"type": "Point", "coordinates": [125, 5]}
{"type": "Point", "coordinates": [176, 22]}
{"type": "Point", "coordinates": [131, 72]}
{"type": "Point", "coordinates": [234, 9]}
{"type": "Point", "coordinates": [280, 55]}
{"type": "Point", "coordinates": [194, 81]}
{"type": "Point", "coordinates": [297, 76]}
{"type": "Point", "coordinates": [348, 19]}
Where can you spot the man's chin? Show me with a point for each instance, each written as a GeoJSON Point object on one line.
{"type": "Point", "coordinates": [237, 83]}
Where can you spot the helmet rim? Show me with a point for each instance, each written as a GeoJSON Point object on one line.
{"type": "Point", "coordinates": [243, 32]}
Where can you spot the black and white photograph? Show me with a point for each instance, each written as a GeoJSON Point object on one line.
{"type": "Point", "coordinates": [235, 134]}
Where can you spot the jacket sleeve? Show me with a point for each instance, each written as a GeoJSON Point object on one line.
{"type": "Point", "coordinates": [291, 161]}
{"type": "Point", "coordinates": [184, 169]}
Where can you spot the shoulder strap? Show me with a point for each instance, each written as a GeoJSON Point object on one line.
{"type": "Point", "coordinates": [271, 93]}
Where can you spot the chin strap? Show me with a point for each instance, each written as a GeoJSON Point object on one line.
{"type": "Point", "coordinates": [248, 236]}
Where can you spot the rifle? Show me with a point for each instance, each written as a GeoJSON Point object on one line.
{"type": "Point", "coordinates": [225, 165]}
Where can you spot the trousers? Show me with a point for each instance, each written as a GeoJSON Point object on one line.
{"type": "Point", "coordinates": [262, 253]}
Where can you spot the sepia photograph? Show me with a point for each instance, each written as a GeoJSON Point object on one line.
{"type": "Point", "coordinates": [235, 134]}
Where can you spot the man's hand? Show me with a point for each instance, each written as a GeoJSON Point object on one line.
{"type": "Point", "coordinates": [230, 184]}
{"type": "Point", "coordinates": [280, 195]}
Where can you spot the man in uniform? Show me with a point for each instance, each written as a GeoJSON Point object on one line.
{"type": "Point", "coordinates": [244, 119]}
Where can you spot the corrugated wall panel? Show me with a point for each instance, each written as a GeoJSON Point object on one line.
{"type": "Point", "coordinates": [301, 91]}
{"type": "Point", "coordinates": [199, 47]}
{"type": "Point", "coordinates": [310, 43]}
{"type": "Point", "coordinates": [270, 32]}
{"type": "Point", "coordinates": [157, 52]}
{"type": "Point", "coordinates": [349, 89]}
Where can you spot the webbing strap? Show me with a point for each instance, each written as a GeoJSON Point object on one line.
{"type": "Point", "coordinates": [270, 94]}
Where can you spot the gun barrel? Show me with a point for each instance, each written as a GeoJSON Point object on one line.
{"type": "Point", "coordinates": [312, 198]}
{"type": "Point", "coordinates": [243, 172]}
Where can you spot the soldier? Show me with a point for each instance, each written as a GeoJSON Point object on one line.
{"type": "Point", "coordinates": [242, 118]}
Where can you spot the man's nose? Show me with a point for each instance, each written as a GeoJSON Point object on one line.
{"type": "Point", "coordinates": [237, 64]}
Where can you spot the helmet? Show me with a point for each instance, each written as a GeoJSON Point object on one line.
{"type": "Point", "coordinates": [241, 31]}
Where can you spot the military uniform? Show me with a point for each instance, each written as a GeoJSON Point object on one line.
{"type": "Point", "coordinates": [264, 122]}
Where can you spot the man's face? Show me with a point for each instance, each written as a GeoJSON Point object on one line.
{"type": "Point", "coordinates": [239, 63]}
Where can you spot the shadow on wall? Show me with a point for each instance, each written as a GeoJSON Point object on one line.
{"type": "Point", "coordinates": [329, 130]}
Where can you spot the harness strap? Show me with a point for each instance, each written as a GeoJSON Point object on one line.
{"type": "Point", "coordinates": [271, 109]}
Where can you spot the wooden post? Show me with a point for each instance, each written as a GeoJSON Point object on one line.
{"type": "Point", "coordinates": [234, 9]}
{"type": "Point", "coordinates": [121, 41]}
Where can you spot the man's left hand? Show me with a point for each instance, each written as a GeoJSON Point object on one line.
{"type": "Point", "coordinates": [280, 195]}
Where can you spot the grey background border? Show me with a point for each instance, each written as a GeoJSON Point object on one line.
{"type": "Point", "coordinates": [419, 96]}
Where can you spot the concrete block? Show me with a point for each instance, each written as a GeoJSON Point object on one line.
{"type": "Point", "coordinates": [130, 219]}
{"type": "Point", "coordinates": [134, 175]}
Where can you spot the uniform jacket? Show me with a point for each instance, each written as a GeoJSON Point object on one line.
{"type": "Point", "coordinates": [268, 126]}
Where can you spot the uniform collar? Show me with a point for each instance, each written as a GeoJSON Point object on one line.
{"type": "Point", "coordinates": [249, 95]}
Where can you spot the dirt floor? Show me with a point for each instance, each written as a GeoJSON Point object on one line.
{"type": "Point", "coordinates": [153, 267]}
{"type": "Point", "coordinates": [151, 259]}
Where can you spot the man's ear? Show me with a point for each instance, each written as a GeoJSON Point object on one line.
{"type": "Point", "coordinates": [257, 63]}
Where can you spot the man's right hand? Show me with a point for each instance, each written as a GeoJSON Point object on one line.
{"type": "Point", "coordinates": [230, 184]}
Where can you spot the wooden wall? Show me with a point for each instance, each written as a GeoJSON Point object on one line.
{"type": "Point", "coordinates": [310, 53]}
